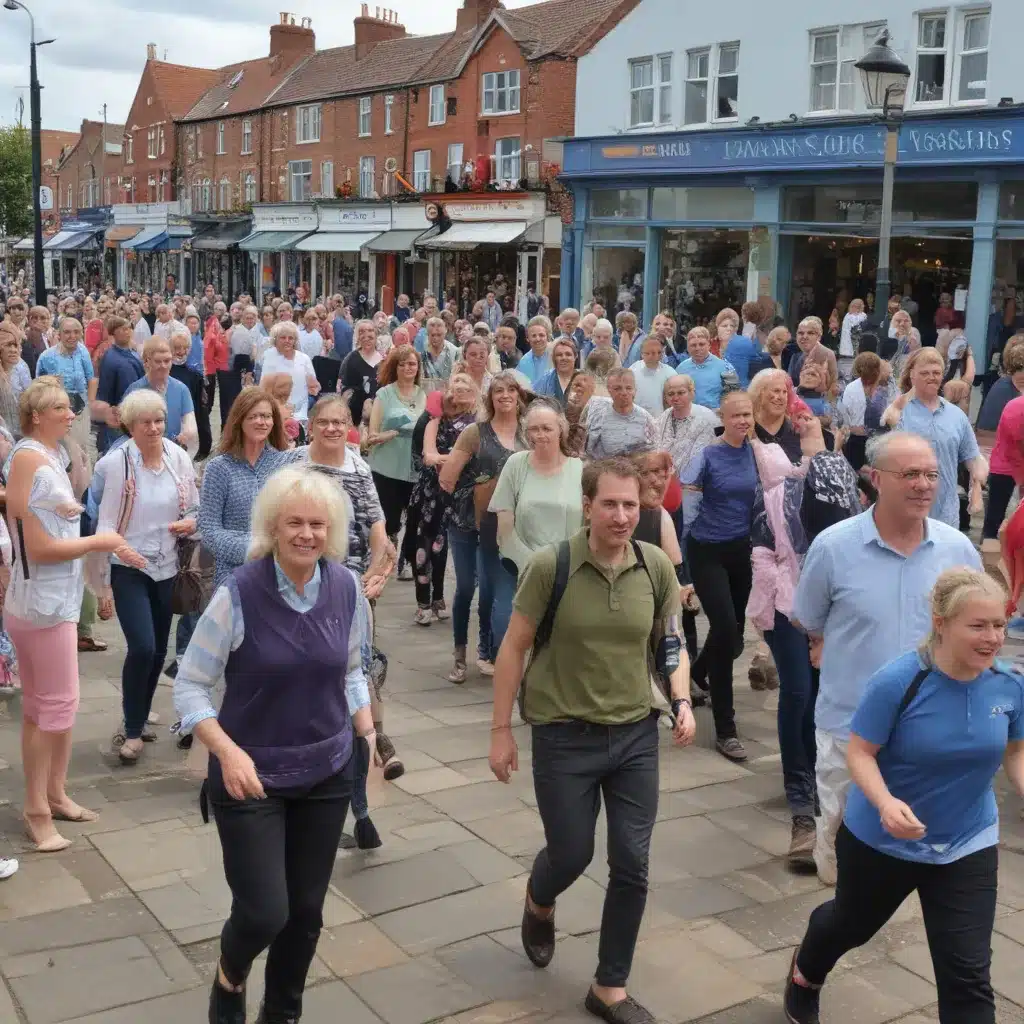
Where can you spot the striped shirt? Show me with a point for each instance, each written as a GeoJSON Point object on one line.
{"type": "Point", "coordinates": [612, 433]}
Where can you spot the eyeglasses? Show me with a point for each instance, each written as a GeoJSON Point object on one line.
{"type": "Point", "coordinates": [910, 476]}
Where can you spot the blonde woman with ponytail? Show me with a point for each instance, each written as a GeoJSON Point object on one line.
{"type": "Point", "coordinates": [928, 737]}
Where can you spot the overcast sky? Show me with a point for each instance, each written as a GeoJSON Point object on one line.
{"type": "Point", "coordinates": [100, 45]}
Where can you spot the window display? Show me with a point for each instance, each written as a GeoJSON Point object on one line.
{"type": "Point", "coordinates": [702, 272]}
{"type": "Point", "coordinates": [615, 276]}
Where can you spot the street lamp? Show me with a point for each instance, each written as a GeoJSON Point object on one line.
{"type": "Point", "coordinates": [885, 76]}
{"type": "Point", "coordinates": [37, 153]}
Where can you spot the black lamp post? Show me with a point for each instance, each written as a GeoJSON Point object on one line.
{"type": "Point", "coordinates": [885, 76]}
{"type": "Point", "coordinates": [37, 153]}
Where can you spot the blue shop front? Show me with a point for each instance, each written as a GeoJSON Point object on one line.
{"type": "Point", "coordinates": [696, 221]}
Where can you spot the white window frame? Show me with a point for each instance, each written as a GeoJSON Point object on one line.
{"type": "Point", "coordinates": [151, 144]}
{"type": "Point", "coordinates": [308, 124]}
{"type": "Point", "coordinates": [851, 43]}
{"type": "Point", "coordinates": [327, 178]}
{"type": "Point", "coordinates": [497, 84]}
{"type": "Point", "coordinates": [820, 35]}
{"type": "Point", "coordinates": [129, 148]}
{"type": "Point", "coordinates": [719, 75]}
{"type": "Point", "coordinates": [246, 137]}
{"type": "Point", "coordinates": [638, 92]}
{"type": "Point", "coordinates": [389, 102]}
{"type": "Point", "coordinates": [152, 189]}
{"type": "Point", "coordinates": [224, 194]}
{"type": "Point", "coordinates": [436, 109]}
{"type": "Point", "coordinates": [453, 148]}
{"type": "Point", "coordinates": [934, 51]}
{"type": "Point", "coordinates": [367, 177]}
{"type": "Point", "coordinates": [963, 19]}
{"type": "Point", "coordinates": [421, 170]}
{"type": "Point", "coordinates": [69, 198]}
{"type": "Point", "coordinates": [298, 169]}
{"type": "Point", "coordinates": [199, 141]}
{"type": "Point", "coordinates": [365, 126]}
{"type": "Point", "coordinates": [698, 54]}
{"type": "Point", "coordinates": [508, 166]}
{"type": "Point", "coordinates": [221, 138]}
{"type": "Point", "coordinates": [249, 187]}
{"type": "Point", "coordinates": [160, 142]}
{"type": "Point", "coordinates": [207, 194]}
{"type": "Point", "coordinates": [161, 188]}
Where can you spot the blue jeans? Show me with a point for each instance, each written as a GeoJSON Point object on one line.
{"type": "Point", "coordinates": [143, 608]}
{"type": "Point", "coordinates": [183, 633]}
{"type": "Point", "coordinates": [467, 557]}
{"type": "Point", "coordinates": [502, 584]}
{"type": "Point", "coordinates": [798, 691]}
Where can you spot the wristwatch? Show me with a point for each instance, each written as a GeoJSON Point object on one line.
{"type": "Point", "coordinates": [677, 703]}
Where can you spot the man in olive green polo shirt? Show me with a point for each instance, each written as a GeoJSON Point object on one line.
{"type": "Point", "coordinates": [588, 697]}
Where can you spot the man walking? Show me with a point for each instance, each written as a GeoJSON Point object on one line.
{"type": "Point", "coordinates": [589, 609]}
{"type": "Point", "coordinates": [863, 598]}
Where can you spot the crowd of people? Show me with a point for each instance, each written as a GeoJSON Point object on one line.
{"type": "Point", "coordinates": [598, 489]}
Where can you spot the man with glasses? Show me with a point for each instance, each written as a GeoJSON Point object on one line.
{"type": "Point", "coordinates": [863, 598]}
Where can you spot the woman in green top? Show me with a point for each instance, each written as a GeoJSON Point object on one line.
{"type": "Point", "coordinates": [397, 406]}
{"type": "Point", "coordinates": [539, 497]}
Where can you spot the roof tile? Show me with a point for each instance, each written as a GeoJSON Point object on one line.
{"type": "Point", "coordinates": [180, 86]}
{"type": "Point", "coordinates": [555, 26]}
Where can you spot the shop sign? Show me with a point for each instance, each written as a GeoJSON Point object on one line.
{"type": "Point", "coordinates": [356, 219]}
{"type": "Point", "coordinates": [497, 209]}
{"type": "Point", "coordinates": [284, 218]}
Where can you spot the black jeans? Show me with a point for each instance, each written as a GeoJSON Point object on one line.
{"type": "Point", "coordinates": [958, 902]}
{"type": "Point", "coordinates": [143, 609]}
{"type": "Point", "coordinates": [1000, 492]}
{"type": "Point", "coordinates": [722, 578]}
{"type": "Point", "coordinates": [394, 500]}
{"type": "Point", "coordinates": [573, 764]}
{"type": "Point", "coordinates": [278, 857]}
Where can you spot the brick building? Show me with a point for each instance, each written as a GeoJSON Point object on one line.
{"type": "Point", "coordinates": [89, 169]}
{"type": "Point", "coordinates": [54, 145]}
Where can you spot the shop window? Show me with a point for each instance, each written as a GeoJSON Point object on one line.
{"type": "Point", "coordinates": [618, 202]}
{"type": "Point", "coordinates": [307, 123]}
{"type": "Point", "coordinates": [455, 162]}
{"type": "Point", "coordinates": [421, 170]}
{"type": "Point", "coordinates": [246, 137]}
{"type": "Point", "coordinates": [300, 180]}
{"type": "Point", "coordinates": [365, 114]}
{"type": "Point", "coordinates": [614, 276]}
{"type": "Point", "coordinates": [973, 77]}
{"type": "Point", "coordinates": [500, 93]}
{"type": "Point", "coordinates": [615, 233]}
{"type": "Point", "coordinates": [437, 106]}
{"type": "Point", "coordinates": [695, 104]}
{"type": "Point", "coordinates": [931, 59]}
{"type": "Point", "coordinates": [220, 138]}
{"type": "Point", "coordinates": [389, 102]}
{"type": "Point", "coordinates": [702, 204]}
{"type": "Point", "coordinates": [249, 188]}
{"type": "Point", "coordinates": [703, 272]}
{"type": "Point", "coordinates": [641, 93]}
{"type": "Point", "coordinates": [1011, 200]}
{"type": "Point", "coordinates": [327, 179]}
{"type": "Point", "coordinates": [862, 204]}
{"type": "Point", "coordinates": [507, 160]}
{"type": "Point", "coordinates": [727, 89]}
{"type": "Point", "coordinates": [367, 176]}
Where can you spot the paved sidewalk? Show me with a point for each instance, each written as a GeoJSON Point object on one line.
{"type": "Point", "coordinates": [123, 926]}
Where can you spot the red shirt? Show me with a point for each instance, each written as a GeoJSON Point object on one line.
{"type": "Point", "coordinates": [1008, 453]}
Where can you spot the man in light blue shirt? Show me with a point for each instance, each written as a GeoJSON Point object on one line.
{"type": "Point", "coordinates": [863, 596]}
{"type": "Point", "coordinates": [704, 368]}
{"type": "Point", "coordinates": [180, 425]}
{"type": "Point", "coordinates": [537, 362]}
{"type": "Point", "coordinates": [492, 311]}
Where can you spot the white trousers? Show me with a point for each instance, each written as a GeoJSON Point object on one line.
{"type": "Point", "coordinates": [833, 779]}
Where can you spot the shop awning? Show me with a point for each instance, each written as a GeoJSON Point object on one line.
{"type": "Point", "coordinates": [222, 236]}
{"type": "Point", "coordinates": [25, 245]}
{"type": "Point", "coordinates": [336, 241]}
{"type": "Point", "coordinates": [470, 234]}
{"type": "Point", "coordinates": [121, 233]}
{"type": "Point", "coordinates": [85, 240]}
{"type": "Point", "coordinates": [398, 240]}
{"type": "Point", "coordinates": [271, 241]}
{"type": "Point", "coordinates": [64, 240]}
{"type": "Point", "coordinates": [142, 240]}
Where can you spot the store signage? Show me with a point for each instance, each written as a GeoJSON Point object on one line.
{"type": "Point", "coordinates": [497, 209]}
{"type": "Point", "coordinates": [954, 141]}
{"type": "Point", "coordinates": [284, 218]}
{"type": "Point", "coordinates": [345, 218]}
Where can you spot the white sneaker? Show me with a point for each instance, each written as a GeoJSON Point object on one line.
{"type": "Point", "coordinates": [8, 866]}
{"type": "Point", "coordinates": [153, 718]}
{"type": "Point", "coordinates": [422, 617]}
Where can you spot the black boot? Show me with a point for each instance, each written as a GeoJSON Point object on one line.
{"type": "Point", "coordinates": [226, 1007]}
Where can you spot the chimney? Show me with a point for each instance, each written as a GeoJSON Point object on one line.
{"type": "Point", "coordinates": [290, 41]}
{"type": "Point", "coordinates": [473, 13]}
{"type": "Point", "coordinates": [150, 51]}
{"type": "Point", "coordinates": [370, 30]}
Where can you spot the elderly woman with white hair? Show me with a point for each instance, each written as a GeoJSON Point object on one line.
{"type": "Point", "coordinates": [284, 357]}
{"type": "Point", "coordinates": [150, 499]}
{"type": "Point", "coordinates": [280, 775]}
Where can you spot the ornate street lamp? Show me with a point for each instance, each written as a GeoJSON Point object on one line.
{"type": "Point", "coordinates": [885, 75]}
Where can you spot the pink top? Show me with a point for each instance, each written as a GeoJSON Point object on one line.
{"type": "Point", "coordinates": [1008, 454]}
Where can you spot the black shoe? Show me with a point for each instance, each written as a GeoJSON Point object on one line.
{"type": "Point", "coordinates": [538, 935]}
{"type": "Point", "coordinates": [226, 1007]}
{"type": "Point", "coordinates": [800, 1003]}
{"type": "Point", "coordinates": [367, 837]}
{"type": "Point", "coordinates": [625, 1011]}
{"type": "Point", "coordinates": [266, 1016]}
{"type": "Point", "coordinates": [172, 670]}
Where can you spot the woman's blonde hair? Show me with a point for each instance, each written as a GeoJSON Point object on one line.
{"type": "Point", "coordinates": [42, 394]}
{"type": "Point", "coordinates": [156, 343]}
{"type": "Point", "coordinates": [307, 488]}
{"type": "Point", "coordinates": [761, 381]}
{"type": "Point", "coordinates": [952, 590]}
{"type": "Point", "coordinates": [921, 355]}
{"type": "Point", "coordinates": [144, 402]}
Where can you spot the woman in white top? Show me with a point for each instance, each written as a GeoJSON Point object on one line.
{"type": "Point", "coordinates": [284, 357]}
{"type": "Point", "coordinates": [43, 602]}
{"type": "Point", "coordinates": [150, 497]}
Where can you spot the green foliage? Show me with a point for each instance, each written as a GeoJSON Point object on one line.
{"type": "Point", "coordinates": [15, 181]}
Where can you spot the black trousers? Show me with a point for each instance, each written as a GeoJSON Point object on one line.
{"type": "Point", "coordinates": [278, 857]}
{"type": "Point", "coordinates": [1000, 492]}
{"type": "Point", "coordinates": [394, 500]}
{"type": "Point", "coordinates": [574, 763]}
{"type": "Point", "coordinates": [204, 430]}
{"type": "Point", "coordinates": [958, 902]}
{"type": "Point", "coordinates": [722, 578]}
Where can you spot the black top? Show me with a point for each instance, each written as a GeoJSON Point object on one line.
{"type": "Point", "coordinates": [787, 439]}
{"type": "Point", "coordinates": [360, 378]}
{"type": "Point", "coordinates": [192, 379]}
{"type": "Point", "coordinates": [648, 529]}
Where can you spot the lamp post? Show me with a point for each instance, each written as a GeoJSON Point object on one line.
{"type": "Point", "coordinates": [885, 75]}
{"type": "Point", "coordinates": [37, 153]}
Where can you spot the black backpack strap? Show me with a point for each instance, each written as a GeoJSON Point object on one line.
{"type": "Point", "coordinates": [21, 547]}
{"type": "Point", "coordinates": [912, 691]}
{"type": "Point", "coordinates": [547, 623]}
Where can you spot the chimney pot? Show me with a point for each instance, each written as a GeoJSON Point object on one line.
{"type": "Point", "coordinates": [150, 51]}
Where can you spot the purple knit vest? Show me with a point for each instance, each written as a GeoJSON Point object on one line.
{"type": "Point", "coordinates": [284, 703]}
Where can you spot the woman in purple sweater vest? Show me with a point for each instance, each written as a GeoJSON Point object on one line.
{"type": "Point", "coordinates": [286, 631]}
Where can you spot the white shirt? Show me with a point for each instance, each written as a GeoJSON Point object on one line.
{"type": "Point", "coordinates": [311, 342]}
{"type": "Point", "coordinates": [299, 367]}
{"type": "Point", "coordinates": [846, 334]}
{"type": "Point", "coordinates": [155, 507]}
{"type": "Point", "coordinates": [140, 335]}
{"type": "Point", "coordinates": [165, 330]}
{"type": "Point", "coordinates": [650, 386]}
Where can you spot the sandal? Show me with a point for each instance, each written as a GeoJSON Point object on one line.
{"type": "Point", "coordinates": [89, 644]}
{"type": "Point", "coordinates": [130, 751]}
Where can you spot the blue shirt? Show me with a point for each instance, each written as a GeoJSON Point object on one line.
{"type": "Point", "coordinates": [179, 403]}
{"type": "Point", "coordinates": [727, 477]}
{"type": "Point", "coordinates": [533, 368]}
{"type": "Point", "coordinates": [196, 360]}
{"type": "Point", "coordinates": [950, 433]}
{"type": "Point", "coordinates": [707, 379]}
{"type": "Point", "coordinates": [75, 369]}
{"type": "Point", "coordinates": [741, 351]}
{"type": "Point", "coordinates": [342, 337]}
{"type": "Point", "coordinates": [119, 369]}
{"type": "Point", "coordinates": [420, 341]}
{"type": "Point", "coordinates": [549, 385]}
{"type": "Point", "coordinates": [870, 603]}
{"type": "Point", "coordinates": [939, 757]}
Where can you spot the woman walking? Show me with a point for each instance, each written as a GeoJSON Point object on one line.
{"type": "Point", "coordinates": [280, 774]}
{"type": "Point", "coordinates": [926, 741]}
{"type": "Point", "coordinates": [285, 357]}
{"type": "Point", "coordinates": [555, 383]}
{"type": "Point", "coordinates": [359, 374]}
{"type": "Point", "coordinates": [150, 499]}
{"type": "Point", "coordinates": [42, 604]}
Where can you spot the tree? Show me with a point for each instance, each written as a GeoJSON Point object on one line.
{"type": "Point", "coordinates": [15, 181]}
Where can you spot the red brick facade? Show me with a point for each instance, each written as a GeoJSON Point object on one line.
{"type": "Point", "coordinates": [88, 172]}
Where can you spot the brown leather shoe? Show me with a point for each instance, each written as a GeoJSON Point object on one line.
{"type": "Point", "coordinates": [88, 644]}
{"type": "Point", "coordinates": [538, 935]}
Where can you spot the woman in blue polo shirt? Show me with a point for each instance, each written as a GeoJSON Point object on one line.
{"type": "Point", "coordinates": [930, 733]}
